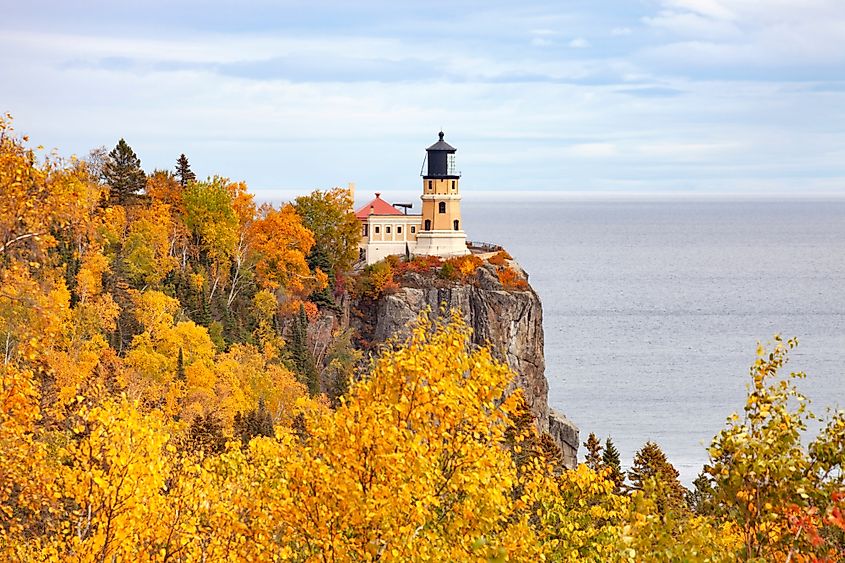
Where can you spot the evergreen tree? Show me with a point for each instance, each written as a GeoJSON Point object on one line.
{"type": "Point", "coordinates": [122, 172]}
{"type": "Point", "coordinates": [317, 259]}
{"type": "Point", "coordinates": [653, 472]}
{"type": "Point", "coordinates": [700, 498]}
{"type": "Point", "coordinates": [180, 366]}
{"type": "Point", "coordinates": [183, 171]}
{"type": "Point", "coordinates": [303, 361]}
{"type": "Point", "coordinates": [610, 458]}
{"type": "Point", "coordinates": [256, 422]}
{"type": "Point", "coordinates": [593, 446]}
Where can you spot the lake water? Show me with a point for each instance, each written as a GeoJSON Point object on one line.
{"type": "Point", "coordinates": [653, 309]}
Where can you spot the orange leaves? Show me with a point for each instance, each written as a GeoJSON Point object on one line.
{"type": "Point", "coordinates": [281, 242]}
{"type": "Point", "coordinates": [510, 279]}
{"type": "Point", "coordinates": [377, 280]}
{"type": "Point", "coordinates": [500, 258]}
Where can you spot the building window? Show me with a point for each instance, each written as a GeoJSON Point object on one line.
{"type": "Point", "coordinates": [430, 185]}
{"type": "Point", "coordinates": [428, 224]}
{"type": "Point", "coordinates": [453, 184]}
{"type": "Point", "coordinates": [413, 229]}
{"type": "Point", "coordinates": [457, 225]}
{"type": "Point", "coordinates": [441, 207]}
{"type": "Point", "coordinates": [377, 230]}
{"type": "Point", "coordinates": [398, 230]}
{"type": "Point", "coordinates": [387, 230]}
{"type": "Point", "coordinates": [366, 230]}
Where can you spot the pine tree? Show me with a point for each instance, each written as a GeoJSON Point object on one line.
{"type": "Point", "coordinates": [700, 498]}
{"type": "Point", "coordinates": [122, 172]}
{"type": "Point", "coordinates": [593, 446]}
{"type": "Point", "coordinates": [652, 471]}
{"type": "Point", "coordinates": [183, 171]}
{"type": "Point", "coordinates": [180, 366]}
{"type": "Point", "coordinates": [610, 458]}
{"type": "Point", "coordinates": [303, 361]}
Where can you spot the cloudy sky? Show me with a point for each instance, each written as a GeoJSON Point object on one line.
{"type": "Point", "coordinates": [633, 96]}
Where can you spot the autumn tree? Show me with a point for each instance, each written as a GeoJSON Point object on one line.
{"type": "Point", "coordinates": [329, 216]}
{"type": "Point", "coordinates": [281, 242]}
{"type": "Point", "coordinates": [123, 174]}
{"type": "Point", "coordinates": [780, 490]}
{"type": "Point", "coordinates": [183, 171]}
{"type": "Point", "coordinates": [593, 446]}
{"type": "Point", "coordinates": [652, 467]}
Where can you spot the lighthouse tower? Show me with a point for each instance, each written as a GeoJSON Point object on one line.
{"type": "Point", "coordinates": [441, 232]}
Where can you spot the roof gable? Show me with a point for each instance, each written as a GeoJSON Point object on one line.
{"type": "Point", "coordinates": [378, 207]}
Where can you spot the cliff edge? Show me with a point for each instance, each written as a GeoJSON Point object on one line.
{"type": "Point", "coordinates": [504, 312]}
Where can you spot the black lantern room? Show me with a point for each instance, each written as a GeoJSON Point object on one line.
{"type": "Point", "coordinates": [441, 161]}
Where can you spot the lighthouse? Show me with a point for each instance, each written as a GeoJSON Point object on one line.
{"type": "Point", "coordinates": [441, 230]}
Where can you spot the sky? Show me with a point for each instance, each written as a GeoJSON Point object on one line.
{"type": "Point", "coordinates": [551, 97]}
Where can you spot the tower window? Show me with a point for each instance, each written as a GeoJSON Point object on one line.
{"type": "Point", "coordinates": [398, 230]}
{"type": "Point", "coordinates": [441, 207]}
{"type": "Point", "coordinates": [366, 230]}
{"type": "Point", "coordinates": [377, 230]}
{"type": "Point", "coordinates": [413, 229]}
{"type": "Point", "coordinates": [456, 224]}
{"type": "Point", "coordinates": [387, 230]}
{"type": "Point", "coordinates": [428, 224]}
{"type": "Point", "coordinates": [430, 185]}
{"type": "Point", "coordinates": [453, 184]}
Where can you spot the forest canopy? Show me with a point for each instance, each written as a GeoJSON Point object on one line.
{"type": "Point", "coordinates": [160, 400]}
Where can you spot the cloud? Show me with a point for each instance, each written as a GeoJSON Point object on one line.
{"type": "Point", "coordinates": [715, 95]}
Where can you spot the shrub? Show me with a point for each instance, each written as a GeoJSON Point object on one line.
{"type": "Point", "coordinates": [377, 279]}
{"type": "Point", "coordinates": [510, 279]}
{"type": "Point", "coordinates": [449, 272]}
{"type": "Point", "coordinates": [499, 258]}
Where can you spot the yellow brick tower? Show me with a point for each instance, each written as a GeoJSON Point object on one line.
{"type": "Point", "coordinates": [441, 230]}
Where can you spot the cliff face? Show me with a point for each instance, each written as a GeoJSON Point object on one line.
{"type": "Point", "coordinates": [510, 321]}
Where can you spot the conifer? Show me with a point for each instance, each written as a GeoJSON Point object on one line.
{"type": "Point", "coordinates": [180, 366]}
{"type": "Point", "coordinates": [610, 459]}
{"type": "Point", "coordinates": [652, 471]}
{"type": "Point", "coordinates": [593, 445]}
{"type": "Point", "coordinates": [303, 361]}
{"type": "Point", "coordinates": [122, 172]}
{"type": "Point", "coordinates": [183, 171]}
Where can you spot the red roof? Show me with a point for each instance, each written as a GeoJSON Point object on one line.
{"type": "Point", "coordinates": [379, 207]}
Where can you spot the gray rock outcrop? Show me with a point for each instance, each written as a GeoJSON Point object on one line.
{"type": "Point", "coordinates": [509, 321]}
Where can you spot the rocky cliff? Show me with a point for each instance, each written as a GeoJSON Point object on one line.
{"type": "Point", "coordinates": [509, 319]}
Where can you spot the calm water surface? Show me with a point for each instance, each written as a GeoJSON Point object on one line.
{"type": "Point", "coordinates": [653, 309]}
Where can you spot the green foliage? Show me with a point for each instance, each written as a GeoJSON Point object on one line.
{"type": "Point", "coordinates": [328, 214]}
{"type": "Point", "coordinates": [300, 353]}
{"type": "Point", "coordinates": [122, 172]}
{"type": "Point", "coordinates": [341, 362]}
{"type": "Point", "coordinates": [610, 460]}
{"type": "Point", "coordinates": [211, 217]}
